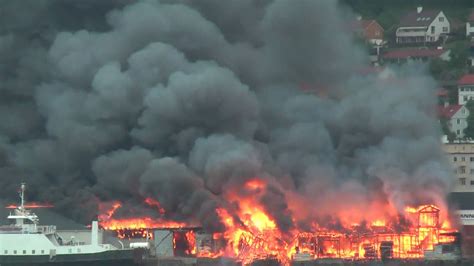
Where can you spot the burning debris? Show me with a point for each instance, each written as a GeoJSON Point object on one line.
{"type": "Point", "coordinates": [251, 234]}
{"type": "Point", "coordinates": [135, 227]}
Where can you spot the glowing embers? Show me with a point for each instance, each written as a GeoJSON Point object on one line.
{"type": "Point", "coordinates": [175, 242]}
{"type": "Point", "coordinates": [136, 227]}
{"type": "Point", "coordinates": [378, 241]}
{"type": "Point", "coordinates": [184, 243]}
{"type": "Point", "coordinates": [209, 245]}
{"type": "Point", "coordinates": [251, 232]}
{"type": "Point", "coordinates": [139, 223]}
{"type": "Point", "coordinates": [428, 216]}
{"type": "Point", "coordinates": [126, 233]}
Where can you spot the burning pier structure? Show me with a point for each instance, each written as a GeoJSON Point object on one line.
{"type": "Point", "coordinates": [381, 242]}
{"type": "Point", "coordinates": [420, 233]}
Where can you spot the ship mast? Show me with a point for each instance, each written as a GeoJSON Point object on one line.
{"type": "Point", "coordinates": [22, 196]}
{"type": "Point", "coordinates": [20, 214]}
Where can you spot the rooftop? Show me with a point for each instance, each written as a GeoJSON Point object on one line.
{"type": "Point", "coordinates": [421, 19]}
{"type": "Point", "coordinates": [415, 52]}
{"type": "Point", "coordinates": [448, 111]}
{"type": "Point", "coordinates": [467, 79]}
{"type": "Point", "coordinates": [364, 23]}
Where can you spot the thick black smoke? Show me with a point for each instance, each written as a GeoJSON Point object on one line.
{"type": "Point", "coordinates": [182, 101]}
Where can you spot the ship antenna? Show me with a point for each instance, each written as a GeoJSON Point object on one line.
{"type": "Point", "coordinates": [22, 196]}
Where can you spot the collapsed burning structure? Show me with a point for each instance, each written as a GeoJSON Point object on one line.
{"type": "Point", "coordinates": [251, 234]}
{"type": "Point", "coordinates": [183, 117]}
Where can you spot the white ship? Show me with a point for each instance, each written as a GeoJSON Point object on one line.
{"type": "Point", "coordinates": [25, 242]}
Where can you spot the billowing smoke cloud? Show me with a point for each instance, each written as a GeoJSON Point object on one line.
{"type": "Point", "coordinates": [183, 101]}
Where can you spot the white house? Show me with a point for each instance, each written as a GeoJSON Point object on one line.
{"type": "Point", "coordinates": [470, 25]}
{"type": "Point", "coordinates": [422, 26]}
{"type": "Point", "coordinates": [456, 116]}
{"type": "Point", "coordinates": [465, 89]}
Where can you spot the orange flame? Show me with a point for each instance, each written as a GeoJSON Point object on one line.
{"type": "Point", "coordinates": [251, 232]}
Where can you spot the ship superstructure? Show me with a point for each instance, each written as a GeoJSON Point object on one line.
{"type": "Point", "coordinates": [25, 241]}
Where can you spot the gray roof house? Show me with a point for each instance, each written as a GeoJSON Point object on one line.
{"type": "Point", "coordinates": [422, 26]}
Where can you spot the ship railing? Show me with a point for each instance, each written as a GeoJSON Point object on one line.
{"type": "Point", "coordinates": [46, 229]}
{"type": "Point", "coordinates": [27, 229]}
{"type": "Point", "coordinates": [10, 229]}
{"type": "Point", "coordinates": [74, 243]}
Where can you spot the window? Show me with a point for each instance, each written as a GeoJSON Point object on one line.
{"type": "Point", "coordinates": [472, 182]}
{"type": "Point", "coordinates": [24, 251]}
{"type": "Point", "coordinates": [445, 29]}
{"type": "Point", "coordinates": [471, 159]}
{"type": "Point", "coordinates": [471, 171]}
{"type": "Point", "coordinates": [462, 181]}
{"type": "Point", "coordinates": [441, 19]}
{"type": "Point", "coordinates": [465, 98]}
{"type": "Point", "coordinates": [458, 132]}
{"type": "Point", "coordinates": [33, 251]}
{"type": "Point", "coordinates": [455, 159]}
{"type": "Point", "coordinates": [462, 170]}
{"type": "Point", "coordinates": [463, 159]}
{"type": "Point", "coordinates": [42, 251]}
{"type": "Point", "coordinates": [14, 251]}
{"type": "Point", "coordinates": [432, 29]}
{"type": "Point", "coordinates": [5, 252]}
{"type": "Point", "coordinates": [458, 121]}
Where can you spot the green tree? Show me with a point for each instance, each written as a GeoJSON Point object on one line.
{"type": "Point", "coordinates": [459, 54]}
{"type": "Point", "coordinates": [469, 130]}
{"type": "Point", "coordinates": [456, 66]}
{"type": "Point", "coordinates": [437, 67]}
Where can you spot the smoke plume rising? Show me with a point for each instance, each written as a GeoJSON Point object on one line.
{"type": "Point", "coordinates": [182, 101]}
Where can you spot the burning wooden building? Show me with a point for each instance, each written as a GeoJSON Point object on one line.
{"type": "Point", "coordinates": [423, 235]}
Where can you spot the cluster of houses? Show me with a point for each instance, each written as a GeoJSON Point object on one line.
{"type": "Point", "coordinates": [420, 27]}
{"type": "Point", "coordinates": [456, 115]}
{"type": "Point", "coordinates": [421, 35]}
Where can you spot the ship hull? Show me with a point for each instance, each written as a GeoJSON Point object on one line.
{"type": "Point", "coordinates": [113, 257]}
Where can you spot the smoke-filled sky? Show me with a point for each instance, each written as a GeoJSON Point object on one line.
{"type": "Point", "coordinates": [184, 100]}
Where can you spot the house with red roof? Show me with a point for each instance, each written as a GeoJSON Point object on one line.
{"type": "Point", "coordinates": [470, 24]}
{"type": "Point", "coordinates": [456, 118]}
{"type": "Point", "coordinates": [372, 31]}
{"type": "Point", "coordinates": [465, 89]}
{"type": "Point", "coordinates": [403, 55]}
{"type": "Point", "coordinates": [422, 26]}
